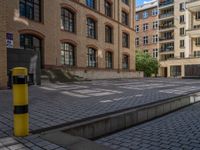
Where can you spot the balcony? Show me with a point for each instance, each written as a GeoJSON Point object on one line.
{"type": "Point", "coordinates": [168, 15]}
{"type": "Point", "coordinates": [193, 5]}
{"type": "Point", "coordinates": [166, 27]}
{"type": "Point", "coordinates": [169, 49]}
{"type": "Point", "coordinates": [166, 39]}
{"type": "Point", "coordinates": [165, 3]}
{"type": "Point", "coordinates": [194, 31]}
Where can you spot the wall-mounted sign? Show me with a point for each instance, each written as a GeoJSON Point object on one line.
{"type": "Point", "coordinates": [9, 40]}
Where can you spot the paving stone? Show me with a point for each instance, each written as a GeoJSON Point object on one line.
{"type": "Point", "coordinates": [179, 131]}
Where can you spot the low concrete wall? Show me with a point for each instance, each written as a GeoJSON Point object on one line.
{"type": "Point", "coordinates": [119, 121]}
{"type": "Point", "coordinates": [103, 74]}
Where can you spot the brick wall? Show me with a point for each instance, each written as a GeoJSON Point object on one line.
{"type": "Point", "coordinates": [150, 32]}
{"type": "Point", "coordinates": [50, 32]}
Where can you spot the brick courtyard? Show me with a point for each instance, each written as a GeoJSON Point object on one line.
{"type": "Point", "coordinates": [59, 104]}
{"type": "Point", "coordinates": [177, 131]}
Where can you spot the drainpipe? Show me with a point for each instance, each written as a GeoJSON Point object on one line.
{"type": "Point", "coordinates": [119, 38]}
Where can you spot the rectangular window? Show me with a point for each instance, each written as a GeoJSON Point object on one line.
{"type": "Point", "coordinates": [145, 15]}
{"type": "Point", "coordinates": [137, 28]}
{"type": "Point", "coordinates": [155, 25]}
{"type": "Point", "coordinates": [125, 19]}
{"type": "Point", "coordinates": [108, 34]}
{"type": "Point", "coordinates": [155, 12]}
{"type": "Point", "coordinates": [155, 53]}
{"type": "Point", "coordinates": [125, 62]}
{"type": "Point", "coordinates": [145, 40]}
{"type": "Point", "coordinates": [31, 9]}
{"type": "Point", "coordinates": [137, 17]}
{"type": "Point", "coordinates": [108, 8]}
{"type": "Point", "coordinates": [137, 42]}
{"type": "Point", "coordinates": [182, 55]}
{"type": "Point", "coordinates": [92, 59]}
{"type": "Point", "coordinates": [145, 26]}
{"type": "Point", "coordinates": [91, 28]}
{"type": "Point", "coordinates": [198, 15]}
{"type": "Point", "coordinates": [125, 40]}
{"type": "Point", "coordinates": [182, 7]}
{"type": "Point", "coordinates": [182, 31]}
{"type": "Point", "coordinates": [67, 54]}
{"type": "Point", "coordinates": [182, 43]}
{"type": "Point", "coordinates": [196, 53]}
{"type": "Point", "coordinates": [155, 39]}
{"type": "Point", "coordinates": [182, 19]}
{"type": "Point", "coordinates": [109, 60]}
{"type": "Point", "coordinates": [197, 41]}
{"type": "Point", "coordinates": [91, 3]}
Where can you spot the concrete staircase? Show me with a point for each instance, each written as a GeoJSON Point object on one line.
{"type": "Point", "coordinates": [58, 75]}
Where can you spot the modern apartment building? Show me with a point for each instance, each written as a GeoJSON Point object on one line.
{"type": "Point", "coordinates": [146, 27]}
{"type": "Point", "coordinates": [179, 32]}
{"type": "Point", "coordinates": [90, 38]}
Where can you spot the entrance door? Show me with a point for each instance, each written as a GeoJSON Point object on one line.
{"type": "Point", "coordinates": [165, 72]}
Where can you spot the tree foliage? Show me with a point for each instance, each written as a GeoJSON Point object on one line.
{"type": "Point", "coordinates": [146, 63]}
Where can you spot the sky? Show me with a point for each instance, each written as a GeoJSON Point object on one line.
{"type": "Point", "coordinates": [140, 2]}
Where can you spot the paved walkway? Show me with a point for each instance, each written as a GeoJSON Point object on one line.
{"type": "Point", "coordinates": [177, 131]}
{"type": "Point", "coordinates": [55, 104]}
{"type": "Point", "coordinates": [33, 142]}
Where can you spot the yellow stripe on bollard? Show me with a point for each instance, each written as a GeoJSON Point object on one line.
{"type": "Point", "coordinates": [20, 101]}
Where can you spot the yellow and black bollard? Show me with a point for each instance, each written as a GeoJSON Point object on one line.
{"type": "Point", "coordinates": [20, 101]}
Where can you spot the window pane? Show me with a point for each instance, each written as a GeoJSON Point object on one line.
{"type": "Point", "coordinates": [67, 54]}
{"type": "Point", "coordinates": [67, 20]}
{"type": "Point", "coordinates": [30, 9]}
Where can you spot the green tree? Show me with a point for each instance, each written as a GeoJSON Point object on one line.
{"type": "Point", "coordinates": [146, 63]}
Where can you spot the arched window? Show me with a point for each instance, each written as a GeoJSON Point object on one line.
{"type": "Point", "coordinates": [29, 41]}
{"type": "Point", "coordinates": [67, 20]}
{"type": "Point", "coordinates": [92, 57]}
{"type": "Point", "coordinates": [91, 28]}
{"type": "Point", "coordinates": [67, 54]}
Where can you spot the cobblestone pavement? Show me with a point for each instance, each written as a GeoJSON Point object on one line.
{"type": "Point", "coordinates": [177, 131]}
{"type": "Point", "coordinates": [33, 142]}
{"type": "Point", "coordinates": [55, 104]}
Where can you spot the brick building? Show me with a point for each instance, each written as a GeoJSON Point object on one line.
{"type": "Point", "coordinates": [90, 38]}
{"type": "Point", "coordinates": [146, 28]}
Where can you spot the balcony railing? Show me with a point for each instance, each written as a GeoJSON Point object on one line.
{"type": "Point", "coordinates": [166, 15]}
{"type": "Point", "coordinates": [166, 38]}
{"type": "Point", "coordinates": [167, 49]}
{"type": "Point", "coordinates": [165, 3]}
{"type": "Point", "coordinates": [195, 27]}
{"type": "Point", "coordinates": [166, 27]}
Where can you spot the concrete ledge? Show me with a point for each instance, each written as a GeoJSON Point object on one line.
{"type": "Point", "coordinates": [106, 74]}
{"type": "Point", "coordinates": [73, 142]}
{"type": "Point", "coordinates": [108, 124]}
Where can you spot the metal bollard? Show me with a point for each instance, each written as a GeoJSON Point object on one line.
{"type": "Point", "coordinates": [20, 101]}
